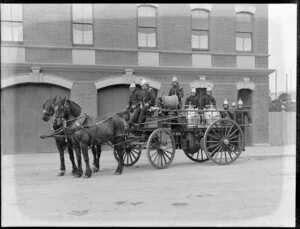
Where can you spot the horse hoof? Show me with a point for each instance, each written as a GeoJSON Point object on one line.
{"type": "Point", "coordinates": [95, 170]}
{"type": "Point", "coordinates": [117, 173]}
{"type": "Point", "coordinates": [87, 175]}
{"type": "Point", "coordinates": [61, 173]}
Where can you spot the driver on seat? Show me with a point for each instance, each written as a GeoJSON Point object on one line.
{"type": "Point", "coordinates": [148, 100]}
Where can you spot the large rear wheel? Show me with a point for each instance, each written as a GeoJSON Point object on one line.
{"type": "Point", "coordinates": [223, 141]}
{"type": "Point", "coordinates": [161, 148]}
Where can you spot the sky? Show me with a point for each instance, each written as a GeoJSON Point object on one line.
{"type": "Point", "coordinates": [283, 46]}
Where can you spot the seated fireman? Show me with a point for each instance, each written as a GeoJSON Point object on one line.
{"type": "Point", "coordinates": [135, 98]}
{"type": "Point", "coordinates": [148, 100]}
{"type": "Point", "coordinates": [193, 99]}
{"type": "Point", "coordinates": [177, 90]}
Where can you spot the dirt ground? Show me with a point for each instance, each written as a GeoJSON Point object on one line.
{"type": "Point", "coordinates": [258, 189]}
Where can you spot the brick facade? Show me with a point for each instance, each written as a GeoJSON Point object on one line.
{"type": "Point", "coordinates": [48, 44]}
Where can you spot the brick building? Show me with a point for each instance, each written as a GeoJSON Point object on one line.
{"type": "Point", "coordinates": [92, 52]}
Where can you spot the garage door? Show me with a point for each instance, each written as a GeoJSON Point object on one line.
{"type": "Point", "coordinates": [112, 99]}
{"type": "Point", "coordinates": [21, 123]}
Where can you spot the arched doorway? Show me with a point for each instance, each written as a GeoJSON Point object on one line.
{"type": "Point", "coordinates": [21, 113]}
{"type": "Point", "coordinates": [246, 95]}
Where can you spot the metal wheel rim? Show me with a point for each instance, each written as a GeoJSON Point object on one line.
{"type": "Point", "coordinates": [161, 151]}
{"type": "Point", "coordinates": [224, 146]}
{"type": "Point", "coordinates": [131, 155]}
{"type": "Point", "coordinates": [199, 157]}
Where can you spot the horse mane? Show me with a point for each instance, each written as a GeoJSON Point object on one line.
{"type": "Point", "coordinates": [72, 102]}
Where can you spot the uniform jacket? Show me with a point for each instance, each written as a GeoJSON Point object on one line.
{"type": "Point", "coordinates": [135, 98]}
{"type": "Point", "coordinates": [226, 114]}
{"type": "Point", "coordinates": [178, 90]}
{"type": "Point", "coordinates": [207, 100]}
{"type": "Point", "coordinates": [149, 96]}
{"type": "Point", "coordinates": [239, 116]}
{"type": "Point", "coordinates": [194, 100]}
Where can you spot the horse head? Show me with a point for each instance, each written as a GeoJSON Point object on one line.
{"type": "Point", "coordinates": [48, 108]}
{"type": "Point", "coordinates": [124, 115]}
{"type": "Point", "coordinates": [61, 111]}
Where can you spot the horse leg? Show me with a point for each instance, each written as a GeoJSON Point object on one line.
{"type": "Point", "coordinates": [79, 166]}
{"type": "Point", "coordinates": [120, 152]}
{"type": "Point", "coordinates": [71, 155]}
{"type": "Point", "coordinates": [60, 147]}
{"type": "Point", "coordinates": [84, 149]}
{"type": "Point", "coordinates": [96, 153]}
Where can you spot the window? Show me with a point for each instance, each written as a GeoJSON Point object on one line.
{"type": "Point", "coordinates": [147, 26]}
{"type": "Point", "coordinates": [82, 24]}
{"type": "Point", "coordinates": [200, 29]}
{"type": "Point", "coordinates": [11, 22]}
{"type": "Point", "coordinates": [244, 32]}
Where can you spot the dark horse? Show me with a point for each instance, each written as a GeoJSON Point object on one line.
{"type": "Point", "coordinates": [61, 143]}
{"type": "Point", "coordinates": [85, 131]}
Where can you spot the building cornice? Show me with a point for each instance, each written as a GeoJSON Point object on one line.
{"type": "Point", "coordinates": [134, 50]}
{"type": "Point", "coordinates": [137, 69]}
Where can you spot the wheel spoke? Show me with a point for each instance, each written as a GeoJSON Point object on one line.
{"type": "Point", "coordinates": [167, 156]}
{"type": "Point", "coordinates": [235, 147]}
{"type": "Point", "coordinates": [216, 133]}
{"type": "Point", "coordinates": [155, 153]}
{"type": "Point", "coordinates": [229, 130]}
{"type": "Point", "coordinates": [163, 155]}
{"type": "Point", "coordinates": [235, 136]}
{"type": "Point", "coordinates": [167, 151]}
{"type": "Point", "coordinates": [214, 137]}
{"type": "Point", "coordinates": [213, 145]}
{"type": "Point", "coordinates": [214, 151]}
{"type": "Point", "coordinates": [232, 133]}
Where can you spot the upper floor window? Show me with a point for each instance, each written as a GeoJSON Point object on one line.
{"type": "Point", "coordinates": [147, 26]}
{"type": "Point", "coordinates": [244, 32]}
{"type": "Point", "coordinates": [11, 22]}
{"type": "Point", "coordinates": [82, 24]}
{"type": "Point", "coordinates": [200, 29]}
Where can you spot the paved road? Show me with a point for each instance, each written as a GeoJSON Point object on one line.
{"type": "Point", "coordinates": [256, 190]}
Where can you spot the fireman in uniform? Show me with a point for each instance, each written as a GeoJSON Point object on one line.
{"type": "Point", "coordinates": [239, 115]}
{"type": "Point", "coordinates": [207, 99]}
{"type": "Point", "coordinates": [148, 100]}
{"type": "Point", "coordinates": [226, 113]}
{"type": "Point", "coordinates": [177, 90]}
{"type": "Point", "coordinates": [135, 99]}
{"type": "Point", "coordinates": [193, 99]}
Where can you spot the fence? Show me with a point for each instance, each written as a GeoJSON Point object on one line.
{"type": "Point", "coordinates": [282, 128]}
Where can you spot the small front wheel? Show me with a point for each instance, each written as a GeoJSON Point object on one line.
{"type": "Point", "coordinates": [131, 154]}
{"type": "Point", "coordinates": [161, 148]}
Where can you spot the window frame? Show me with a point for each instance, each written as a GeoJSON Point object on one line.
{"type": "Point", "coordinates": [72, 25]}
{"type": "Point", "coordinates": [199, 30]}
{"type": "Point", "coordinates": [138, 27]}
{"type": "Point", "coordinates": [11, 28]}
{"type": "Point", "coordinates": [244, 31]}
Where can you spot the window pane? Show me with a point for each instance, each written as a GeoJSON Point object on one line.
{"type": "Point", "coordinates": [195, 14]}
{"type": "Point", "coordinates": [239, 17]}
{"type": "Point", "coordinates": [77, 34]}
{"type": "Point", "coordinates": [87, 34]}
{"type": "Point", "coordinates": [151, 12]}
{"type": "Point", "coordinates": [247, 42]}
{"type": "Point", "coordinates": [6, 33]}
{"type": "Point", "coordinates": [204, 40]}
{"type": "Point", "coordinates": [17, 12]}
{"type": "Point", "coordinates": [17, 31]}
{"type": "Point", "coordinates": [142, 11]}
{"type": "Point", "coordinates": [87, 13]}
{"type": "Point", "coordinates": [6, 12]}
{"type": "Point", "coordinates": [142, 39]}
{"type": "Point", "coordinates": [77, 13]}
{"type": "Point", "coordinates": [203, 14]}
{"type": "Point", "coordinates": [152, 39]}
{"type": "Point", "coordinates": [239, 42]}
{"type": "Point", "coordinates": [195, 41]}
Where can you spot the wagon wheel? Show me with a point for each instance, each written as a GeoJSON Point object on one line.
{"type": "Point", "coordinates": [131, 155]}
{"type": "Point", "coordinates": [223, 141]}
{"type": "Point", "coordinates": [161, 148]}
{"type": "Point", "coordinates": [198, 156]}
